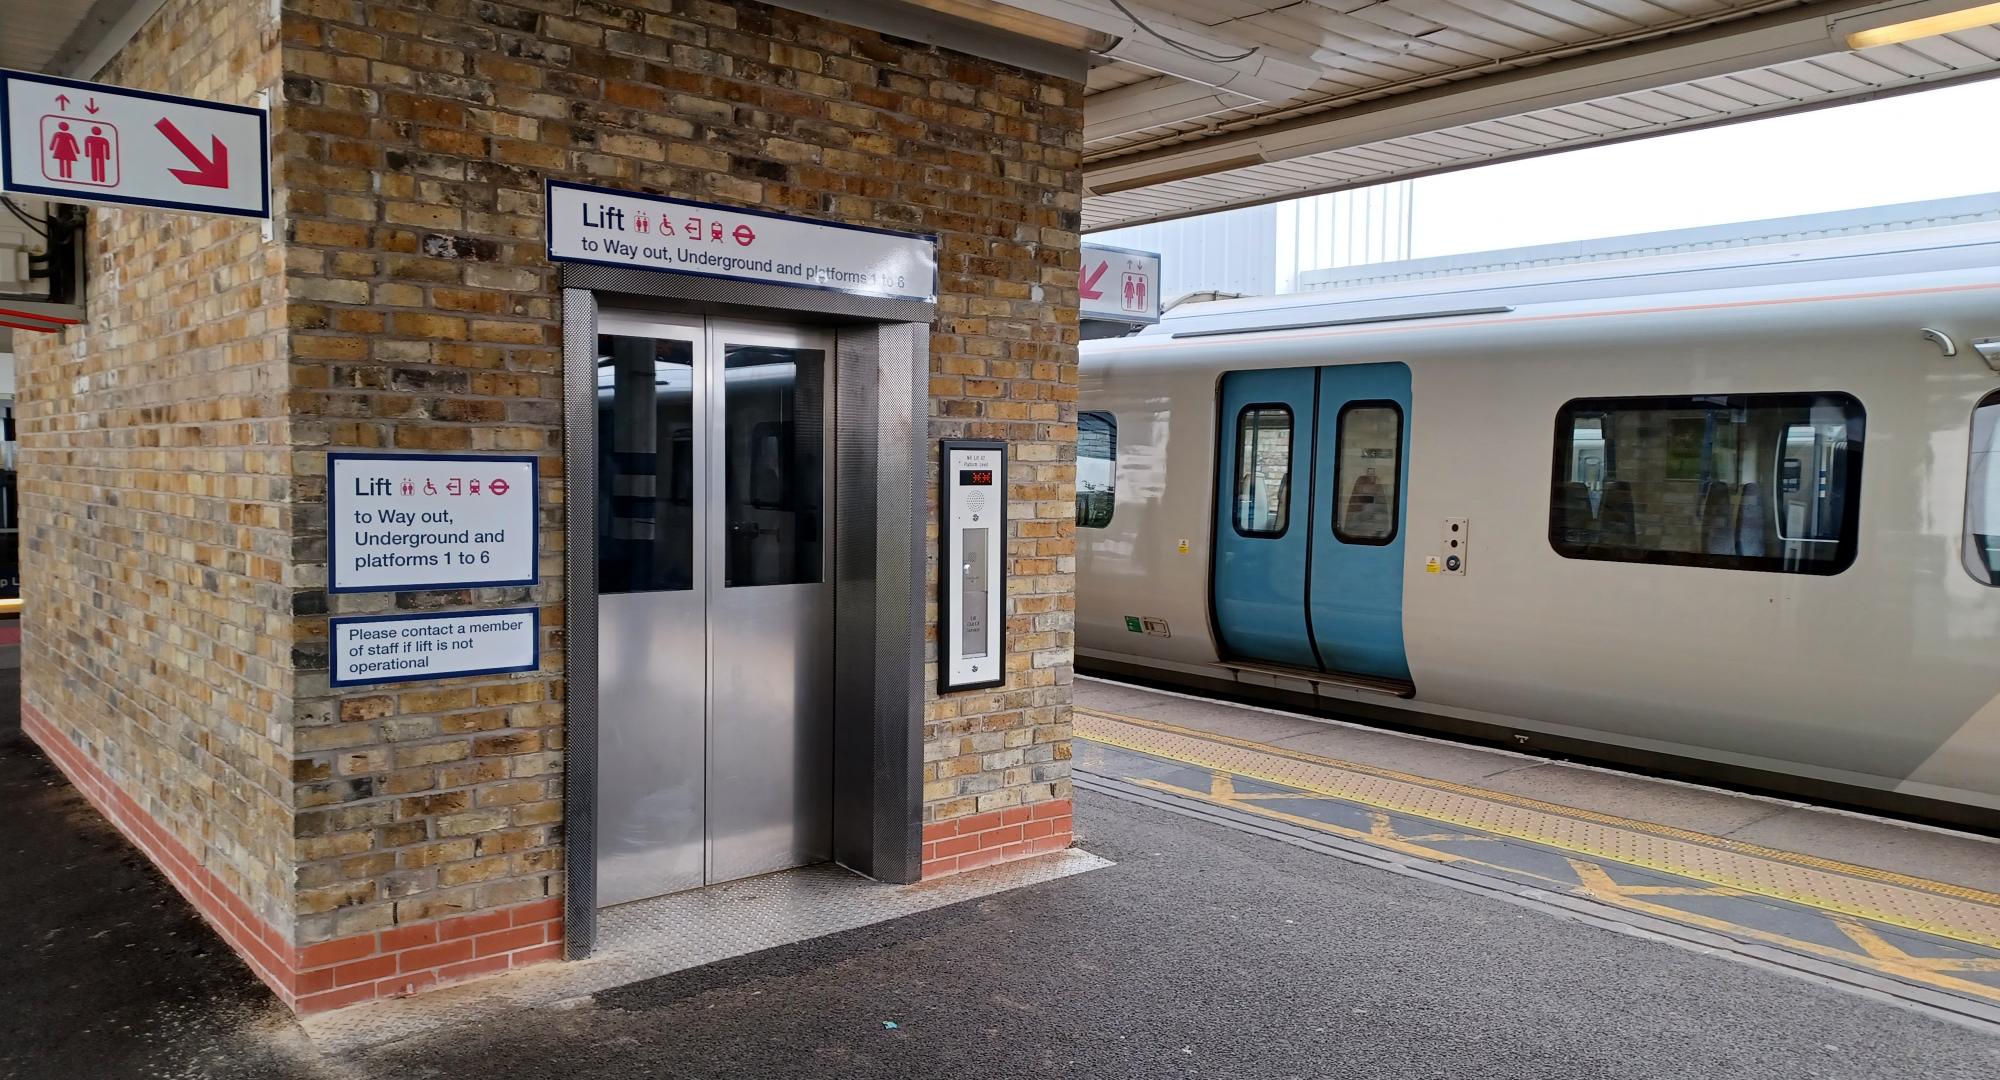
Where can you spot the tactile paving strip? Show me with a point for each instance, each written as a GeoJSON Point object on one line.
{"type": "Point", "coordinates": [1940, 908]}
{"type": "Point", "coordinates": [650, 938]}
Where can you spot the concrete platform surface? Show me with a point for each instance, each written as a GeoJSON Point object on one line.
{"type": "Point", "coordinates": [1203, 952]}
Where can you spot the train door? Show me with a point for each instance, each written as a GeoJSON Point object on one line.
{"type": "Point", "coordinates": [714, 608]}
{"type": "Point", "coordinates": [1263, 531]}
{"type": "Point", "coordinates": [1356, 585]}
{"type": "Point", "coordinates": [1309, 518]}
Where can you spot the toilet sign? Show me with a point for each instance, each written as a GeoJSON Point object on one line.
{"type": "Point", "coordinates": [88, 142]}
{"type": "Point", "coordinates": [430, 521]}
{"type": "Point", "coordinates": [1118, 284]}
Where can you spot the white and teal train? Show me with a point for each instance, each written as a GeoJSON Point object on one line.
{"type": "Point", "coordinates": [1728, 514]}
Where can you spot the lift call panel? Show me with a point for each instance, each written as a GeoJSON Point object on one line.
{"type": "Point", "coordinates": [972, 637]}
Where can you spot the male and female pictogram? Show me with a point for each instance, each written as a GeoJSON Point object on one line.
{"type": "Point", "coordinates": [65, 142]}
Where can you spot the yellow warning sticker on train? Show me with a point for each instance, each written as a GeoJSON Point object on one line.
{"type": "Point", "coordinates": [1431, 565]}
{"type": "Point", "coordinates": [1184, 547]}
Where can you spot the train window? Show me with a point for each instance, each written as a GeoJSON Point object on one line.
{"type": "Point", "coordinates": [1096, 468]}
{"type": "Point", "coordinates": [1369, 449]}
{"type": "Point", "coordinates": [1263, 470]}
{"type": "Point", "coordinates": [1733, 481]}
{"type": "Point", "coordinates": [1982, 494]}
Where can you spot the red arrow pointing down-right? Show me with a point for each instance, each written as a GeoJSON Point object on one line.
{"type": "Point", "coordinates": [1087, 288]}
{"type": "Point", "coordinates": [210, 171]}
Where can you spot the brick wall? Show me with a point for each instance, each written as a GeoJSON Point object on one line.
{"type": "Point", "coordinates": [424, 316]}
{"type": "Point", "coordinates": [156, 503]}
{"type": "Point", "coordinates": [175, 453]}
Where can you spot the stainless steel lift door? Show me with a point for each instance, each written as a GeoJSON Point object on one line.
{"type": "Point", "coordinates": [714, 607]}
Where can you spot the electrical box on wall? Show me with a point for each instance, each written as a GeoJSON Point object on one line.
{"type": "Point", "coordinates": [972, 634]}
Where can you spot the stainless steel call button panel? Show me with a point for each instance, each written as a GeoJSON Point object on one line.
{"type": "Point", "coordinates": [972, 639]}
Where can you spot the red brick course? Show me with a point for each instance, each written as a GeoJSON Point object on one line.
{"type": "Point", "coordinates": [331, 974]}
{"type": "Point", "coordinates": [968, 843]}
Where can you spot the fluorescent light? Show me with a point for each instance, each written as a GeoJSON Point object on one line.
{"type": "Point", "coordinates": [1025, 23]}
{"type": "Point", "coordinates": [1930, 26]}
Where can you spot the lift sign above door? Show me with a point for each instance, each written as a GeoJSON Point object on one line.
{"type": "Point", "coordinates": [646, 232]}
{"type": "Point", "coordinates": [971, 631]}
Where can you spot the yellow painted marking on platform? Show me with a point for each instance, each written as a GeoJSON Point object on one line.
{"type": "Point", "coordinates": [1877, 953]}
{"type": "Point", "coordinates": [1939, 908]}
{"type": "Point", "coordinates": [1298, 819]}
{"type": "Point", "coordinates": [1942, 888]}
{"type": "Point", "coordinates": [1889, 961]}
{"type": "Point", "coordinates": [1222, 785]}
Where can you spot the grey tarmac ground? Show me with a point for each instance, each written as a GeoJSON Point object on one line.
{"type": "Point", "coordinates": [1204, 952]}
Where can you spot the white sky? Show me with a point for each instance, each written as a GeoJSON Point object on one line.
{"type": "Point", "coordinates": [1929, 145]}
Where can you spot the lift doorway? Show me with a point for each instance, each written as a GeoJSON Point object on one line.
{"type": "Point", "coordinates": [743, 584]}
{"type": "Point", "coordinates": [714, 606]}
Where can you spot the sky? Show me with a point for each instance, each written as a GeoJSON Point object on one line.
{"type": "Point", "coordinates": [1929, 145]}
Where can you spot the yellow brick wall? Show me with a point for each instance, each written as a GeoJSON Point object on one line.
{"type": "Point", "coordinates": [156, 496]}
{"type": "Point", "coordinates": [425, 317]}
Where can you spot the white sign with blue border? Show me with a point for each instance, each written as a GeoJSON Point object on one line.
{"type": "Point", "coordinates": [92, 142]}
{"type": "Point", "coordinates": [431, 521]}
{"type": "Point", "coordinates": [404, 648]}
{"type": "Point", "coordinates": [607, 227]}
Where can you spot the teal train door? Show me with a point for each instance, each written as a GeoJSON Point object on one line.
{"type": "Point", "coordinates": [1359, 477]}
{"type": "Point", "coordinates": [1263, 518]}
{"type": "Point", "coordinates": [1310, 518]}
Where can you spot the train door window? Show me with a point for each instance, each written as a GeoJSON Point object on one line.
{"type": "Point", "coordinates": [1096, 468]}
{"type": "Point", "coordinates": [1368, 465]}
{"type": "Point", "coordinates": [1766, 482]}
{"type": "Point", "coordinates": [1982, 494]}
{"type": "Point", "coordinates": [1263, 470]}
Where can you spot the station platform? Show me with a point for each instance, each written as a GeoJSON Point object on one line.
{"type": "Point", "coordinates": [1270, 896]}
{"type": "Point", "coordinates": [1889, 906]}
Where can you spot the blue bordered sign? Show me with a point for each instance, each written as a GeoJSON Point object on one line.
{"type": "Point", "coordinates": [370, 649]}
{"type": "Point", "coordinates": [399, 522]}
{"type": "Point", "coordinates": [91, 142]}
{"type": "Point", "coordinates": [607, 227]}
{"type": "Point", "coordinates": [1118, 285]}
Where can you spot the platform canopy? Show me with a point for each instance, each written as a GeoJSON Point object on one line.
{"type": "Point", "coordinates": [1201, 105]}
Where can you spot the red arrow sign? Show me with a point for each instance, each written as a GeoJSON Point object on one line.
{"type": "Point", "coordinates": [210, 171]}
{"type": "Point", "coordinates": [1088, 286]}
{"type": "Point", "coordinates": [62, 102]}
{"type": "Point", "coordinates": [92, 107]}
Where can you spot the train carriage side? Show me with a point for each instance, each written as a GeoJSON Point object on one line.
{"type": "Point", "coordinates": [1758, 494]}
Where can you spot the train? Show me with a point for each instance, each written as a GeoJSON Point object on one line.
{"type": "Point", "coordinates": [1725, 515]}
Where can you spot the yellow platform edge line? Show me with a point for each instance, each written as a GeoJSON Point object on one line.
{"type": "Point", "coordinates": [1741, 847]}
{"type": "Point", "coordinates": [1945, 928]}
{"type": "Point", "coordinates": [1974, 933]}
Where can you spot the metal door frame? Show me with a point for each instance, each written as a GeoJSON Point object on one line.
{"type": "Point", "coordinates": [881, 365]}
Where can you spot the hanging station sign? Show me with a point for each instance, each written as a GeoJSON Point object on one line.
{"type": "Point", "coordinates": [649, 232]}
{"type": "Point", "coordinates": [1118, 285]}
{"type": "Point", "coordinates": [430, 521]}
{"type": "Point", "coordinates": [90, 142]}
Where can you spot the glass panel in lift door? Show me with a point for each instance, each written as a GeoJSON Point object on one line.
{"type": "Point", "coordinates": [645, 464]}
{"type": "Point", "coordinates": [774, 449]}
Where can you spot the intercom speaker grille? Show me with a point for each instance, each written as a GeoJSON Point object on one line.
{"type": "Point", "coordinates": [975, 501]}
